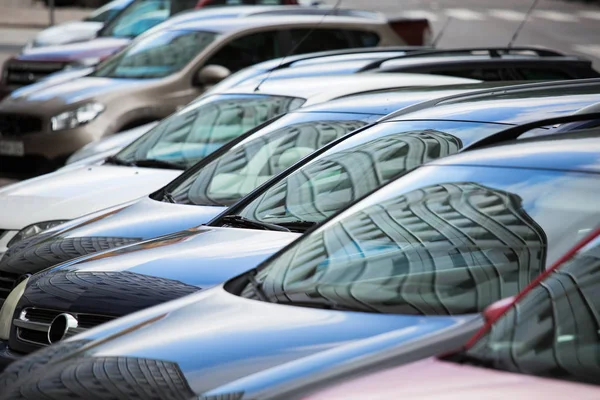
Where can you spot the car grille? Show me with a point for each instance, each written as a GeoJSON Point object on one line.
{"type": "Point", "coordinates": [7, 283]}
{"type": "Point", "coordinates": [18, 124]}
{"type": "Point", "coordinates": [22, 73]}
{"type": "Point", "coordinates": [33, 324]}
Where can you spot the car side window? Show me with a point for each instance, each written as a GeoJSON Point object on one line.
{"type": "Point", "coordinates": [543, 74]}
{"type": "Point", "coordinates": [484, 74]}
{"type": "Point", "coordinates": [364, 38]}
{"type": "Point", "coordinates": [320, 39]}
{"type": "Point", "coordinates": [554, 330]}
{"type": "Point", "coordinates": [247, 50]}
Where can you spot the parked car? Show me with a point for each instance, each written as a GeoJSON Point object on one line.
{"type": "Point", "coordinates": [149, 80]}
{"type": "Point", "coordinates": [489, 64]}
{"type": "Point", "coordinates": [78, 31]}
{"type": "Point", "coordinates": [142, 15]}
{"type": "Point", "coordinates": [256, 227]}
{"type": "Point", "coordinates": [426, 252]}
{"type": "Point", "coordinates": [542, 343]}
{"type": "Point", "coordinates": [175, 144]}
{"type": "Point", "coordinates": [515, 64]}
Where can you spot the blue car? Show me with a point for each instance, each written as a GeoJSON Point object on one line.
{"type": "Point", "coordinates": [427, 252]}
{"type": "Point", "coordinates": [99, 287]}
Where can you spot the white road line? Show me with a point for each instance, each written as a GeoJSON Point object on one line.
{"type": "Point", "coordinates": [589, 14]}
{"type": "Point", "coordinates": [555, 16]}
{"type": "Point", "coordinates": [508, 15]}
{"type": "Point", "coordinates": [431, 16]}
{"type": "Point", "coordinates": [590, 49]}
{"type": "Point", "coordinates": [464, 14]}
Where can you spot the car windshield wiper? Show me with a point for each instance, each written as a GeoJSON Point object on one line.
{"type": "Point", "coordinates": [155, 163]}
{"type": "Point", "coordinates": [298, 226]}
{"type": "Point", "coordinates": [117, 161]}
{"type": "Point", "coordinates": [258, 289]}
{"type": "Point", "coordinates": [238, 220]}
{"type": "Point", "coordinates": [168, 196]}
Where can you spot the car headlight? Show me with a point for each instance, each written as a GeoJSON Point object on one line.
{"type": "Point", "coordinates": [33, 230]}
{"type": "Point", "coordinates": [8, 309]}
{"type": "Point", "coordinates": [80, 116]}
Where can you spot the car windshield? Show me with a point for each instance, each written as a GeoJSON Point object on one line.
{"type": "Point", "coordinates": [138, 18]}
{"type": "Point", "coordinates": [553, 330]}
{"type": "Point", "coordinates": [156, 56]}
{"type": "Point", "coordinates": [262, 155]}
{"type": "Point", "coordinates": [442, 240]}
{"type": "Point", "coordinates": [358, 166]}
{"type": "Point", "coordinates": [107, 12]}
{"type": "Point", "coordinates": [204, 126]}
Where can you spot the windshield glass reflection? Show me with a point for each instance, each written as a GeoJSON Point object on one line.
{"type": "Point", "coordinates": [358, 166]}
{"type": "Point", "coordinates": [434, 245]}
{"type": "Point", "coordinates": [263, 155]}
{"type": "Point", "coordinates": [204, 126]}
{"type": "Point", "coordinates": [553, 330]}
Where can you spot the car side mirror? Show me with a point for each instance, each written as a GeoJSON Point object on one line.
{"type": "Point", "coordinates": [210, 75]}
{"type": "Point", "coordinates": [496, 309]}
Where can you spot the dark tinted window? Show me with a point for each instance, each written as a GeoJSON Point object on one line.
{"type": "Point", "coordinates": [484, 74]}
{"type": "Point", "coordinates": [319, 39]}
{"type": "Point", "coordinates": [554, 330]}
{"type": "Point", "coordinates": [439, 241]}
{"type": "Point", "coordinates": [364, 38]}
{"type": "Point", "coordinates": [543, 74]}
{"type": "Point", "coordinates": [247, 50]}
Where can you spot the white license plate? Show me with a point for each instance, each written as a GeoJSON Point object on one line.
{"type": "Point", "coordinates": [12, 148]}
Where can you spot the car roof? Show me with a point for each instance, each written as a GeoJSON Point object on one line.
{"type": "Point", "coordinates": [383, 102]}
{"type": "Point", "coordinates": [229, 25]}
{"type": "Point", "coordinates": [511, 105]}
{"type": "Point", "coordinates": [317, 89]}
{"type": "Point", "coordinates": [574, 151]}
{"type": "Point", "coordinates": [409, 62]}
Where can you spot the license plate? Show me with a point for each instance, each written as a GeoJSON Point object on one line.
{"type": "Point", "coordinates": [12, 148]}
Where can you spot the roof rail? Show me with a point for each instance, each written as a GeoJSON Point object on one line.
{"type": "Point", "coordinates": [492, 92]}
{"type": "Point", "coordinates": [516, 131]}
{"type": "Point", "coordinates": [355, 50]}
{"type": "Point", "coordinates": [494, 52]}
{"type": "Point", "coordinates": [311, 10]}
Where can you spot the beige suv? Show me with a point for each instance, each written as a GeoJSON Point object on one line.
{"type": "Point", "coordinates": [41, 126]}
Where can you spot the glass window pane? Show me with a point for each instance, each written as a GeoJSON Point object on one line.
{"type": "Point", "coordinates": [441, 241]}
{"type": "Point", "coordinates": [204, 126]}
{"type": "Point", "coordinates": [320, 39]}
{"type": "Point", "coordinates": [554, 330]}
{"type": "Point", "coordinates": [138, 18]}
{"type": "Point", "coordinates": [246, 51]}
{"type": "Point", "coordinates": [263, 155]}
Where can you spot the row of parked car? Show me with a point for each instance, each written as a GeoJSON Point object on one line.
{"type": "Point", "coordinates": [334, 224]}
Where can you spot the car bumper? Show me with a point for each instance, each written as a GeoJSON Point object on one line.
{"type": "Point", "coordinates": [41, 152]}
{"type": "Point", "coordinates": [7, 356]}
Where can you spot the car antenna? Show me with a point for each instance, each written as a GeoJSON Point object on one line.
{"type": "Point", "coordinates": [522, 24]}
{"type": "Point", "coordinates": [441, 32]}
{"type": "Point", "coordinates": [334, 8]}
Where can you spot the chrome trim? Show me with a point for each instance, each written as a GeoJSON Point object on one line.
{"type": "Point", "coordinates": [34, 326]}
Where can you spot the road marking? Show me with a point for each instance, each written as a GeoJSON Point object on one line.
{"type": "Point", "coordinates": [555, 16]}
{"type": "Point", "coordinates": [589, 14]}
{"type": "Point", "coordinates": [431, 16]}
{"type": "Point", "coordinates": [508, 15]}
{"type": "Point", "coordinates": [590, 49]}
{"type": "Point", "coordinates": [464, 14]}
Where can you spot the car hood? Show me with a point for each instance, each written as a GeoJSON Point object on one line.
{"type": "Point", "coordinates": [224, 337]}
{"type": "Point", "coordinates": [201, 256]}
{"type": "Point", "coordinates": [453, 381]}
{"type": "Point", "coordinates": [54, 97]}
{"type": "Point", "coordinates": [72, 193]}
{"type": "Point", "coordinates": [97, 48]}
{"type": "Point", "coordinates": [70, 32]}
{"type": "Point", "coordinates": [144, 219]}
